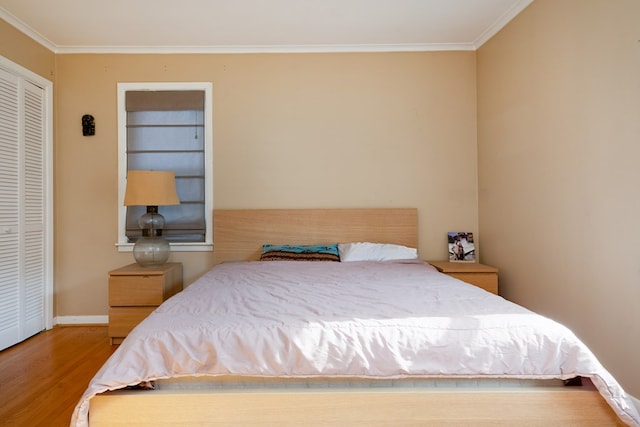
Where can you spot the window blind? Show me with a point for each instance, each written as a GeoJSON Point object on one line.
{"type": "Point", "coordinates": [165, 131]}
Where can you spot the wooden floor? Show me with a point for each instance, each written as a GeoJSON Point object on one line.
{"type": "Point", "coordinates": [43, 378]}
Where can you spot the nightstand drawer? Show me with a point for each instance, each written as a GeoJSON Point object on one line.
{"type": "Point", "coordinates": [486, 281]}
{"type": "Point", "coordinates": [480, 275]}
{"type": "Point", "coordinates": [123, 319]}
{"type": "Point", "coordinates": [136, 290]}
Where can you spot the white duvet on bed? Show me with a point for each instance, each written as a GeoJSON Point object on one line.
{"type": "Point", "coordinates": [359, 319]}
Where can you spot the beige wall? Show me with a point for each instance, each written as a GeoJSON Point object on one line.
{"type": "Point", "coordinates": [559, 143]}
{"type": "Point", "coordinates": [25, 52]}
{"type": "Point", "coordinates": [558, 127]}
{"type": "Point", "coordinates": [290, 130]}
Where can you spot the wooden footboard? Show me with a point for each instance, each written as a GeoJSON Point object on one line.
{"type": "Point", "coordinates": [568, 406]}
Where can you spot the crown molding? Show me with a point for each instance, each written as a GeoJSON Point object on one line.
{"type": "Point", "coordinates": [27, 30]}
{"type": "Point", "coordinates": [501, 23]}
{"type": "Point", "coordinates": [359, 48]}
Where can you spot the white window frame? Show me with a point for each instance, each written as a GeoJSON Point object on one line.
{"type": "Point", "coordinates": [123, 244]}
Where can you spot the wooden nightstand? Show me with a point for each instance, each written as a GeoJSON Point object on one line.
{"type": "Point", "coordinates": [483, 276]}
{"type": "Point", "coordinates": [135, 291]}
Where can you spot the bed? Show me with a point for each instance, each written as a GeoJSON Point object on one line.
{"type": "Point", "coordinates": [380, 341]}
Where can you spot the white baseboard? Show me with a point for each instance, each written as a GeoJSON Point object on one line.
{"type": "Point", "coordinates": [81, 320]}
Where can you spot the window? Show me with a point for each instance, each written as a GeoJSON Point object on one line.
{"type": "Point", "coordinates": [168, 126]}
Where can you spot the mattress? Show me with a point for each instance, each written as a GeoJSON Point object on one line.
{"type": "Point", "coordinates": [382, 321]}
{"type": "Point", "coordinates": [232, 382]}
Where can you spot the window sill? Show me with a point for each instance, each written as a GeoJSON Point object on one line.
{"type": "Point", "coordinates": [175, 247]}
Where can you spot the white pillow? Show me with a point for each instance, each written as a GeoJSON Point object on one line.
{"type": "Point", "coordinates": [365, 251]}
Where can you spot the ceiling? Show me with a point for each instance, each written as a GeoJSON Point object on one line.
{"type": "Point", "coordinates": [236, 26]}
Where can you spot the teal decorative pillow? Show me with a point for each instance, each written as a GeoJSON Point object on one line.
{"type": "Point", "coordinates": [300, 253]}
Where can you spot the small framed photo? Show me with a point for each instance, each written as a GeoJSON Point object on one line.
{"type": "Point", "coordinates": [461, 246]}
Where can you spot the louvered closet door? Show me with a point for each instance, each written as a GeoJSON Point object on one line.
{"type": "Point", "coordinates": [33, 207]}
{"type": "Point", "coordinates": [9, 210]}
{"type": "Point", "coordinates": [22, 205]}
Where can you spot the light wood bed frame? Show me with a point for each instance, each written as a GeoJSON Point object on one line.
{"type": "Point", "coordinates": [238, 236]}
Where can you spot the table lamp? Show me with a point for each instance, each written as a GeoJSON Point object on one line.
{"type": "Point", "coordinates": [151, 189]}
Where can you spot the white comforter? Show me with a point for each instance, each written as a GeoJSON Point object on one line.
{"type": "Point", "coordinates": [362, 319]}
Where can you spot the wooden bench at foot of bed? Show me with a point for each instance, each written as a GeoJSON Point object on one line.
{"type": "Point", "coordinates": [540, 407]}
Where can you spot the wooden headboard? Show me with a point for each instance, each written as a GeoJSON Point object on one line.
{"type": "Point", "coordinates": [238, 234]}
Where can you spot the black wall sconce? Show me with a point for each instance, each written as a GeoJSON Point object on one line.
{"type": "Point", "coordinates": [88, 125]}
